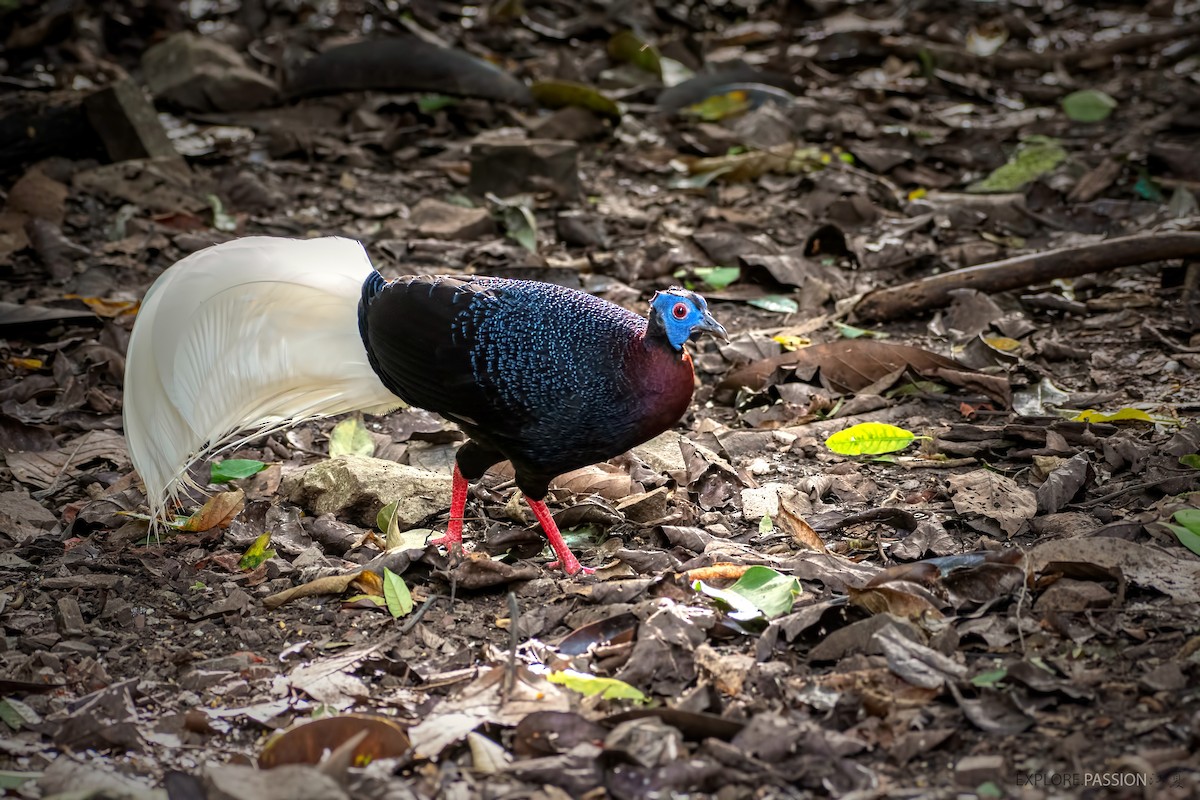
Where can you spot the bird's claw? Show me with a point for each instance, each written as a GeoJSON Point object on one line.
{"type": "Point", "coordinates": [453, 544]}
{"type": "Point", "coordinates": [578, 570]}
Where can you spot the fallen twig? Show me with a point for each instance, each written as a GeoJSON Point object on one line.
{"type": "Point", "coordinates": [1020, 271]}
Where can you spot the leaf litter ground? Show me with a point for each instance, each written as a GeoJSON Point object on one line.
{"type": "Point", "coordinates": [1001, 609]}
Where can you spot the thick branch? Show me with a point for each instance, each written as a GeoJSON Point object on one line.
{"type": "Point", "coordinates": [1015, 273]}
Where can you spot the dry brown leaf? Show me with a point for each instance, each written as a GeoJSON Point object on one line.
{"type": "Point", "coordinates": [219, 511]}
{"type": "Point", "coordinates": [850, 365]}
{"type": "Point", "coordinates": [801, 532]}
{"type": "Point", "coordinates": [716, 572]}
{"type": "Point", "coordinates": [1175, 576]}
{"type": "Point", "coordinates": [369, 582]}
{"type": "Point", "coordinates": [486, 700]}
{"type": "Point", "coordinates": [606, 480]}
{"type": "Point", "coordinates": [892, 599]}
{"type": "Point", "coordinates": [726, 671]}
{"type": "Point", "coordinates": [785, 160]}
{"type": "Point", "coordinates": [44, 469]}
{"type": "Point", "coordinates": [308, 741]}
{"type": "Point", "coordinates": [326, 585]}
{"type": "Point", "coordinates": [882, 692]}
{"type": "Point", "coordinates": [994, 496]}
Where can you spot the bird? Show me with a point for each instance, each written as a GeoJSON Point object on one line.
{"type": "Point", "coordinates": [260, 333]}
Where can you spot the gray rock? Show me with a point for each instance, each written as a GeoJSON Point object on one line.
{"type": "Point", "coordinates": [573, 123]}
{"type": "Point", "coordinates": [974, 770]}
{"type": "Point", "coordinates": [646, 506]}
{"type": "Point", "coordinates": [526, 166]}
{"type": "Point", "coordinates": [198, 74]}
{"type": "Point", "coordinates": [439, 220]}
{"type": "Point", "coordinates": [359, 486]}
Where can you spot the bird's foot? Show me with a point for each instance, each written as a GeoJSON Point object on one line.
{"type": "Point", "coordinates": [566, 559]}
{"type": "Point", "coordinates": [579, 569]}
{"type": "Point", "coordinates": [452, 539]}
{"type": "Point", "coordinates": [448, 541]}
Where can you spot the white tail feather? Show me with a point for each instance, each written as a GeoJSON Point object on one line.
{"type": "Point", "coordinates": [254, 334]}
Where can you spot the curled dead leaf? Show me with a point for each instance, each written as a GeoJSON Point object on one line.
{"type": "Point", "coordinates": [309, 741]}
{"type": "Point", "coordinates": [851, 365]}
{"type": "Point", "coordinates": [218, 512]}
{"type": "Point", "coordinates": [326, 585]}
{"type": "Point", "coordinates": [901, 599]}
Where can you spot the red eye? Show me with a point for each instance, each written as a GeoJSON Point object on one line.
{"type": "Point", "coordinates": [680, 310]}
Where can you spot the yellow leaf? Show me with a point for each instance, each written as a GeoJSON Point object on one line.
{"type": "Point", "coordinates": [607, 688]}
{"type": "Point", "coordinates": [869, 438]}
{"type": "Point", "coordinates": [1121, 415]}
{"type": "Point", "coordinates": [109, 309]}
{"type": "Point", "coordinates": [26, 363]}
{"type": "Point", "coordinates": [351, 437]}
{"type": "Point", "coordinates": [720, 106]}
{"type": "Point", "coordinates": [560, 94]}
{"type": "Point", "coordinates": [1002, 343]}
{"type": "Point", "coordinates": [792, 342]}
{"type": "Point", "coordinates": [256, 553]}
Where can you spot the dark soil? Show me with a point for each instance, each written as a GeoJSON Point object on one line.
{"type": "Point", "coordinates": [1000, 610]}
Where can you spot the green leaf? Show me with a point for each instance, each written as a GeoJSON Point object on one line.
{"type": "Point", "coordinates": [351, 438]}
{"type": "Point", "coordinates": [1036, 156]}
{"type": "Point", "coordinates": [870, 438]}
{"type": "Point", "coordinates": [221, 220]}
{"type": "Point", "coordinates": [990, 677]}
{"type": "Point", "coordinates": [521, 225]}
{"type": "Point", "coordinates": [1188, 538]}
{"type": "Point", "coordinates": [761, 593]}
{"type": "Point", "coordinates": [1147, 189]}
{"type": "Point", "coordinates": [738, 606]}
{"type": "Point", "coordinates": [775, 302]}
{"type": "Point", "coordinates": [851, 332]}
{"type": "Point", "coordinates": [429, 103]}
{"type": "Point", "coordinates": [16, 714]}
{"type": "Point", "coordinates": [590, 685]}
{"type": "Point", "coordinates": [233, 469]}
{"type": "Point", "coordinates": [256, 553]}
{"type": "Point", "coordinates": [989, 790]}
{"type": "Point", "coordinates": [765, 525]}
{"type": "Point", "coordinates": [717, 278]}
{"type": "Point", "coordinates": [1189, 518]}
{"type": "Point", "coordinates": [370, 598]}
{"type": "Point", "coordinates": [627, 46]}
{"type": "Point", "coordinates": [395, 591]}
{"type": "Point", "coordinates": [9, 716]}
{"type": "Point", "coordinates": [1190, 460]}
{"type": "Point", "coordinates": [9, 779]}
{"type": "Point", "coordinates": [1088, 105]}
{"type": "Point", "coordinates": [770, 591]}
{"type": "Point", "coordinates": [384, 517]}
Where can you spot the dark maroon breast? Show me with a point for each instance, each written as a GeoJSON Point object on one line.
{"type": "Point", "coordinates": [666, 382]}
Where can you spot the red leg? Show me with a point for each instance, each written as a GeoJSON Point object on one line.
{"type": "Point", "coordinates": [566, 559]}
{"type": "Point", "coordinates": [458, 509]}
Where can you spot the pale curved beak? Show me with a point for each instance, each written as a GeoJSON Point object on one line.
{"type": "Point", "coordinates": [710, 325]}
